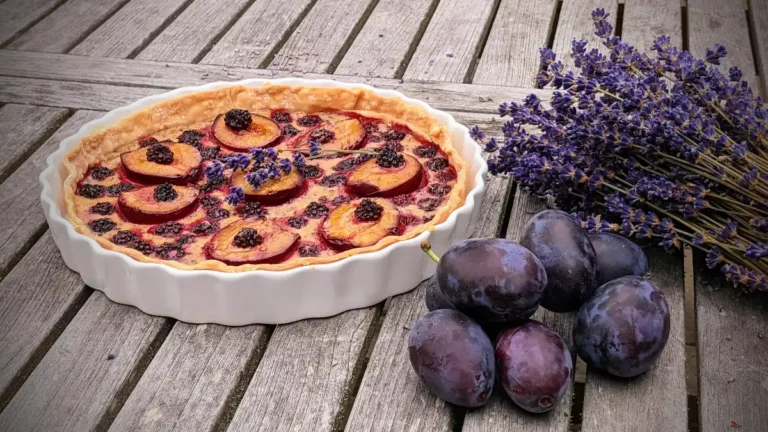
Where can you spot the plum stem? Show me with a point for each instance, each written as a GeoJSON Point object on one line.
{"type": "Point", "coordinates": [426, 246]}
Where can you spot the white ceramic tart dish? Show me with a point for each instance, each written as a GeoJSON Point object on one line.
{"type": "Point", "coordinates": [210, 291]}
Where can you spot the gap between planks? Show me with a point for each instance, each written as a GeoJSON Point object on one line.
{"type": "Point", "coordinates": [23, 19]}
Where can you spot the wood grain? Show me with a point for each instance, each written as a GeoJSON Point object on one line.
{"type": "Point", "coordinates": [659, 396]}
{"type": "Point", "coordinates": [391, 397]}
{"type": "Point", "coordinates": [193, 31]}
{"type": "Point", "coordinates": [255, 35]}
{"type": "Point", "coordinates": [74, 385]}
{"type": "Point", "coordinates": [511, 55]}
{"type": "Point", "coordinates": [187, 384]}
{"type": "Point", "coordinates": [321, 36]}
{"type": "Point", "coordinates": [22, 128]}
{"type": "Point", "coordinates": [306, 375]}
{"type": "Point", "coordinates": [34, 298]}
{"type": "Point", "coordinates": [386, 39]}
{"type": "Point", "coordinates": [21, 215]}
{"type": "Point", "coordinates": [128, 29]}
{"type": "Point", "coordinates": [451, 41]}
{"type": "Point", "coordinates": [733, 360]}
{"type": "Point", "coordinates": [16, 15]}
{"type": "Point", "coordinates": [70, 94]}
{"type": "Point", "coordinates": [576, 23]}
{"type": "Point", "coordinates": [724, 22]}
{"type": "Point", "coordinates": [65, 26]}
{"type": "Point", "coordinates": [758, 18]}
{"type": "Point", "coordinates": [646, 20]}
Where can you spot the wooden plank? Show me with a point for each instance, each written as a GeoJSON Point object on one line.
{"type": "Point", "coordinates": [66, 26]}
{"type": "Point", "coordinates": [21, 216]}
{"type": "Point", "coordinates": [758, 19]}
{"type": "Point", "coordinates": [384, 43]}
{"type": "Point", "coordinates": [516, 36]}
{"type": "Point", "coordinates": [22, 128]}
{"type": "Point", "coordinates": [501, 414]}
{"type": "Point", "coordinates": [321, 36]}
{"type": "Point", "coordinates": [255, 35]}
{"type": "Point", "coordinates": [659, 396]}
{"type": "Point", "coordinates": [17, 15]}
{"type": "Point", "coordinates": [188, 382]}
{"type": "Point", "coordinates": [452, 41]}
{"type": "Point", "coordinates": [59, 67]}
{"type": "Point", "coordinates": [646, 20]}
{"type": "Point", "coordinates": [193, 31]}
{"type": "Point", "coordinates": [391, 397]}
{"type": "Point", "coordinates": [576, 23]}
{"type": "Point", "coordinates": [444, 96]}
{"type": "Point", "coordinates": [129, 29]}
{"type": "Point", "coordinates": [69, 94]}
{"type": "Point", "coordinates": [733, 360]}
{"type": "Point", "coordinates": [75, 384]}
{"type": "Point", "coordinates": [35, 300]}
{"type": "Point", "coordinates": [511, 55]}
{"type": "Point", "coordinates": [307, 375]}
{"type": "Point", "coordinates": [722, 21]}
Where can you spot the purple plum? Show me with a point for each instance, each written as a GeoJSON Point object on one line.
{"type": "Point", "coordinates": [453, 357]}
{"type": "Point", "coordinates": [617, 256]}
{"type": "Point", "coordinates": [534, 366]}
{"type": "Point", "coordinates": [492, 280]}
{"type": "Point", "coordinates": [623, 328]}
{"type": "Point", "coordinates": [435, 299]}
{"type": "Point", "coordinates": [566, 254]}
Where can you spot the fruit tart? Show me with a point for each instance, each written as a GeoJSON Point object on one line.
{"type": "Point", "coordinates": [272, 177]}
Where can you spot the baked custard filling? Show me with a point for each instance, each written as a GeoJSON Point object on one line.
{"type": "Point", "coordinates": [269, 181]}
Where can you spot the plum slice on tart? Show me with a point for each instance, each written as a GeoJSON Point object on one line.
{"type": "Point", "coordinates": [241, 131]}
{"type": "Point", "coordinates": [344, 134]}
{"type": "Point", "coordinates": [251, 242]}
{"type": "Point", "coordinates": [274, 191]}
{"type": "Point", "coordinates": [389, 174]}
{"type": "Point", "coordinates": [157, 204]}
{"type": "Point", "coordinates": [360, 223]}
{"type": "Point", "coordinates": [164, 162]}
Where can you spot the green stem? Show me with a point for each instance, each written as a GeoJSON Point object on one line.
{"type": "Point", "coordinates": [426, 246]}
{"type": "Point", "coordinates": [736, 202]}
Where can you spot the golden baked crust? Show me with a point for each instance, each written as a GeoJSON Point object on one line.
{"type": "Point", "coordinates": [201, 108]}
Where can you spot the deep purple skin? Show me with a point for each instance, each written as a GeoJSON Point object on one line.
{"type": "Point", "coordinates": [623, 328]}
{"type": "Point", "coordinates": [567, 255]}
{"type": "Point", "coordinates": [534, 365]}
{"type": "Point", "coordinates": [453, 357]}
{"type": "Point", "coordinates": [617, 256]}
{"type": "Point", "coordinates": [492, 280]}
{"type": "Point", "coordinates": [435, 299]}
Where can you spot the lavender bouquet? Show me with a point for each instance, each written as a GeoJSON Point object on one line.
{"type": "Point", "coordinates": [662, 147]}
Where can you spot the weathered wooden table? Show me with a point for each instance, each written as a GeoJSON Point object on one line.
{"type": "Point", "coordinates": [72, 360]}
